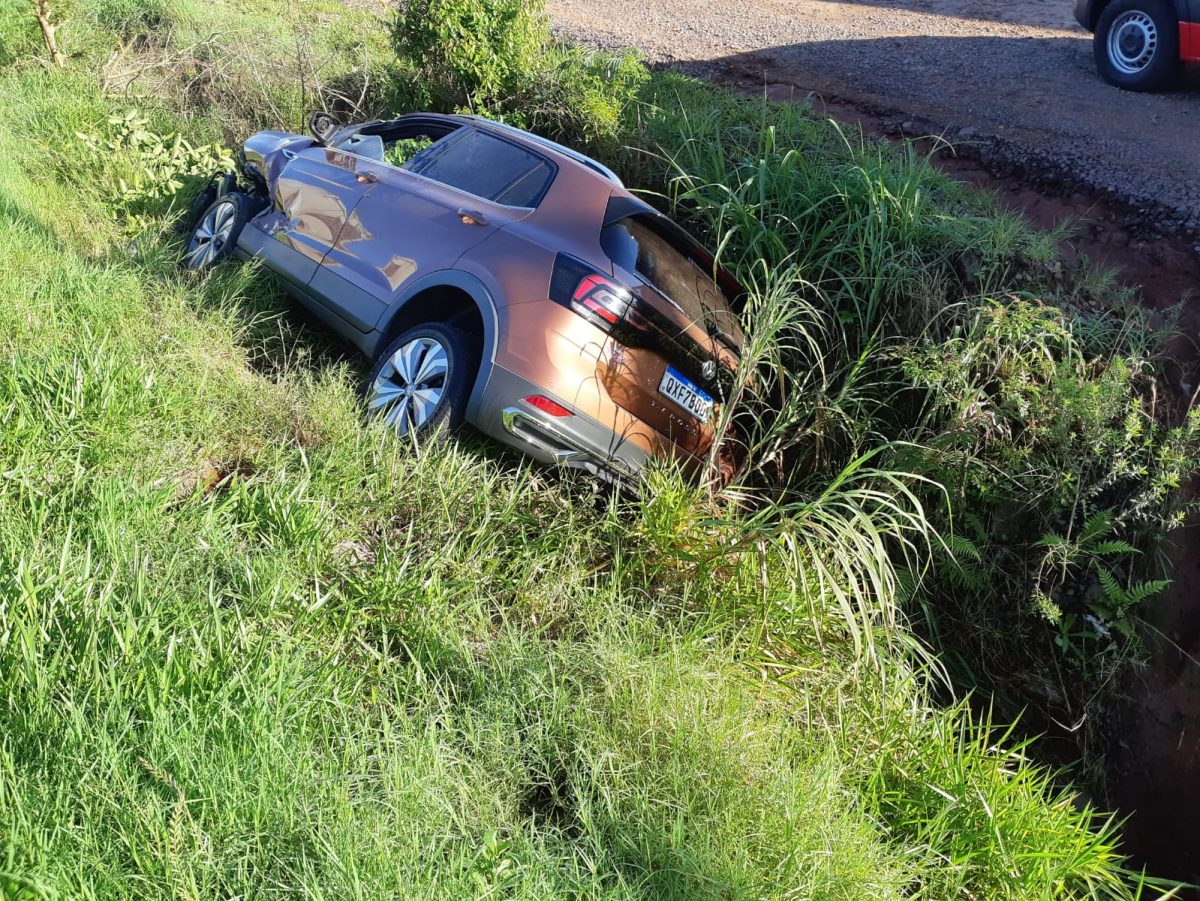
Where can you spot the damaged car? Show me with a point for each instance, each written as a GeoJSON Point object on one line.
{"type": "Point", "coordinates": [495, 278]}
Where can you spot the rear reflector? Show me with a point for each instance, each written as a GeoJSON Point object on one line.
{"type": "Point", "coordinates": [546, 405]}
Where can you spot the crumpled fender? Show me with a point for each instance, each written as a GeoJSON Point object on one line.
{"type": "Point", "coordinates": [264, 153]}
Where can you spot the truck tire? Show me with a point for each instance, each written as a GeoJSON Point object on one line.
{"type": "Point", "coordinates": [1137, 44]}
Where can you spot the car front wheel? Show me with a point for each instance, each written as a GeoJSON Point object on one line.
{"type": "Point", "coordinates": [422, 380]}
{"type": "Point", "coordinates": [1137, 44]}
{"type": "Point", "coordinates": [215, 235]}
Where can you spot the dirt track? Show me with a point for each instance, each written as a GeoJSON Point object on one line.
{"type": "Point", "coordinates": [1017, 76]}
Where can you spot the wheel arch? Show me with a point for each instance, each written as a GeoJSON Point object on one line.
{"type": "Point", "coordinates": [451, 296]}
{"type": "Point", "coordinates": [1185, 10]}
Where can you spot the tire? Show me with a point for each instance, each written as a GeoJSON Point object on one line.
{"type": "Point", "coordinates": [423, 404]}
{"type": "Point", "coordinates": [217, 186]}
{"type": "Point", "coordinates": [215, 235]}
{"type": "Point", "coordinates": [1137, 44]}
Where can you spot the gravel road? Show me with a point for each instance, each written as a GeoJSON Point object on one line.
{"type": "Point", "coordinates": [1016, 79]}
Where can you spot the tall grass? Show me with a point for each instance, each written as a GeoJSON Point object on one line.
{"type": "Point", "coordinates": [896, 313]}
{"type": "Point", "coordinates": [878, 228]}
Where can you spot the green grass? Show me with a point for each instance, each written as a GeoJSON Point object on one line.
{"type": "Point", "coordinates": [900, 315]}
{"type": "Point", "coordinates": [251, 646]}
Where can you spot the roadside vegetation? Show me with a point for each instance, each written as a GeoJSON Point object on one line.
{"type": "Point", "coordinates": [910, 318]}
{"type": "Point", "coordinates": [253, 646]}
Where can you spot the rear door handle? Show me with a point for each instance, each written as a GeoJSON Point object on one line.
{"type": "Point", "coordinates": [472, 217]}
{"type": "Point", "coordinates": [366, 178]}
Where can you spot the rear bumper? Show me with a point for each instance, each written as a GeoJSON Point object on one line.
{"type": "Point", "coordinates": [1189, 41]}
{"type": "Point", "coordinates": [577, 441]}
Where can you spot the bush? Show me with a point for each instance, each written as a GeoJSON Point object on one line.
{"type": "Point", "coordinates": [472, 54]}
{"type": "Point", "coordinates": [580, 95]}
{"type": "Point", "coordinates": [137, 168]}
{"type": "Point", "coordinates": [1061, 468]}
{"type": "Point", "coordinates": [498, 57]}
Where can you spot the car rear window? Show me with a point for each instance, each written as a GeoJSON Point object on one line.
{"type": "Point", "coordinates": [486, 166]}
{"type": "Point", "coordinates": [637, 247]}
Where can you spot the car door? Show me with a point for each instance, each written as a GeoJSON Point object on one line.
{"type": "Point", "coordinates": [422, 218]}
{"type": "Point", "coordinates": [315, 193]}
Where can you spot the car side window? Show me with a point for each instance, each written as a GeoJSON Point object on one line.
{"type": "Point", "coordinates": [488, 167]}
{"type": "Point", "coordinates": [405, 153]}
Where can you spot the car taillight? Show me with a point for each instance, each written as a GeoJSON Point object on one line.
{"type": "Point", "coordinates": [591, 294]}
{"type": "Point", "coordinates": [602, 297]}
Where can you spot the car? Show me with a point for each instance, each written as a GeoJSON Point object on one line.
{"type": "Point", "coordinates": [1140, 45]}
{"type": "Point", "coordinates": [495, 278]}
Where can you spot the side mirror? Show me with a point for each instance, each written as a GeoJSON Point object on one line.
{"type": "Point", "coordinates": [323, 125]}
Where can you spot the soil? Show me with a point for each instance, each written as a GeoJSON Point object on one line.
{"type": "Point", "coordinates": [1054, 142]}
{"type": "Point", "coordinates": [1154, 760]}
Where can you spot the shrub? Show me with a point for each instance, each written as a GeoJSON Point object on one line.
{"type": "Point", "coordinates": [138, 167]}
{"type": "Point", "coordinates": [580, 95]}
{"type": "Point", "coordinates": [473, 54]}
{"type": "Point", "coordinates": [498, 57]}
{"type": "Point", "coordinates": [1061, 466]}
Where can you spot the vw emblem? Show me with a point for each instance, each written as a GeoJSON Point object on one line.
{"type": "Point", "coordinates": [709, 369]}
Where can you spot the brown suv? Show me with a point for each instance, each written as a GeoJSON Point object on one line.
{"type": "Point", "coordinates": [496, 278]}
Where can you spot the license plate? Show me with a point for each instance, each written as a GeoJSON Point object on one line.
{"type": "Point", "coordinates": [684, 392]}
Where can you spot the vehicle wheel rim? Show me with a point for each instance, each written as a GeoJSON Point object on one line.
{"type": "Point", "coordinates": [211, 236]}
{"type": "Point", "coordinates": [411, 385]}
{"type": "Point", "coordinates": [1132, 42]}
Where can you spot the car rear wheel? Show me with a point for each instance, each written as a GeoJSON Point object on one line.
{"type": "Point", "coordinates": [1137, 44]}
{"type": "Point", "coordinates": [421, 382]}
{"type": "Point", "coordinates": [215, 235]}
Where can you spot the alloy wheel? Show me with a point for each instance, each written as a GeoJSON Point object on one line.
{"type": "Point", "coordinates": [1132, 42]}
{"type": "Point", "coordinates": [411, 384]}
{"type": "Point", "coordinates": [211, 235]}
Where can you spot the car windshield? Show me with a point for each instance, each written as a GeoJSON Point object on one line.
{"type": "Point", "coordinates": [486, 166]}
{"type": "Point", "coordinates": [636, 247]}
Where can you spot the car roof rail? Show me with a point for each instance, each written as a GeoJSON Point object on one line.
{"type": "Point", "coordinates": [552, 145]}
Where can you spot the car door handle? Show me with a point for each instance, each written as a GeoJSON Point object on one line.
{"type": "Point", "coordinates": [472, 217]}
{"type": "Point", "coordinates": [366, 178]}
